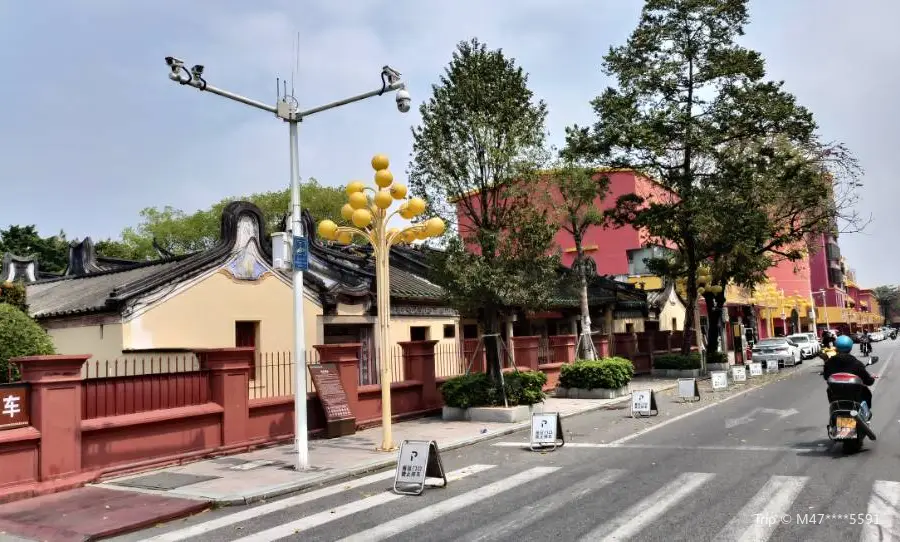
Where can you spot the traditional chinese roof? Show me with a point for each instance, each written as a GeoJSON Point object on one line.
{"type": "Point", "coordinates": [92, 283]}
{"type": "Point", "coordinates": [603, 290]}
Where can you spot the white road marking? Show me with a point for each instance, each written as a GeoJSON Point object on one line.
{"type": "Point", "coordinates": [664, 423]}
{"type": "Point", "coordinates": [635, 519]}
{"type": "Point", "coordinates": [772, 501]}
{"type": "Point", "coordinates": [317, 520]}
{"type": "Point", "coordinates": [256, 511]}
{"type": "Point", "coordinates": [596, 445]}
{"type": "Point", "coordinates": [545, 507]}
{"type": "Point", "coordinates": [435, 511]}
{"type": "Point", "coordinates": [883, 523]}
{"type": "Point", "coordinates": [750, 416]}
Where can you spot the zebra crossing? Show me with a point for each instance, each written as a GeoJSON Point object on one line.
{"type": "Point", "coordinates": [364, 510]}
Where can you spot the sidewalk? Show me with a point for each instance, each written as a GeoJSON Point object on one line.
{"type": "Point", "coordinates": [124, 504]}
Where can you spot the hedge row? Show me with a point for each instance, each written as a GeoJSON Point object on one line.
{"type": "Point", "coordinates": [607, 373]}
{"type": "Point", "coordinates": [479, 390]}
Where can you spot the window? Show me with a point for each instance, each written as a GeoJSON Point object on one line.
{"type": "Point", "coordinates": [470, 331]}
{"type": "Point", "coordinates": [418, 333]}
{"type": "Point", "coordinates": [449, 331]}
{"type": "Point", "coordinates": [247, 334]}
{"type": "Point", "coordinates": [629, 328]}
{"type": "Point", "coordinates": [674, 324]}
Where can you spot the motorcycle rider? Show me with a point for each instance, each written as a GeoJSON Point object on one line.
{"type": "Point", "coordinates": [865, 343]}
{"type": "Point", "coordinates": [844, 362]}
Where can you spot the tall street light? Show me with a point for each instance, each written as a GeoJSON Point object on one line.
{"type": "Point", "coordinates": [287, 109]}
{"type": "Point", "coordinates": [368, 209]}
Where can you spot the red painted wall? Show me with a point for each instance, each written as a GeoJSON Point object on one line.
{"type": "Point", "coordinates": [611, 243]}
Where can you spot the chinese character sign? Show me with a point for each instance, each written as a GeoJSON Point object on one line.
{"type": "Point", "coordinates": [14, 406]}
{"type": "Point", "coordinates": [543, 428]}
{"type": "Point", "coordinates": [412, 462]}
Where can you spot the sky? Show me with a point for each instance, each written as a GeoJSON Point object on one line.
{"type": "Point", "coordinates": [93, 131]}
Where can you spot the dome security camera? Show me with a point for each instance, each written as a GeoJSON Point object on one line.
{"type": "Point", "coordinates": [403, 101]}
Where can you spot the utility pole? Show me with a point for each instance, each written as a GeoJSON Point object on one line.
{"type": "Point", "coordinates": [287, 109]}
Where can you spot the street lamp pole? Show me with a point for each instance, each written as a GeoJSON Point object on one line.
{"type": "Point", "coordinates": [370, 214]}
{"type": "Point", "coordinates": [287, 110]}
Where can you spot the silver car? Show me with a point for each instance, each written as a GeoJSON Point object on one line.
{"type": "Point", "coordinates": [785, 351]}
{"type": "Point", "coordinates": [814, 339]}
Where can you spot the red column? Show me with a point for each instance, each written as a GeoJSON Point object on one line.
{"type": "Point", "coordinates": [346, 358]}
{"type": "Point", "coordinates": [526, 351]}
{"type": "Point", "coordinates": [418, 362]}
{"type": "Point", "coordinates": [229, 382]}
{"type": "Point", "coordinates": [562, 348]}
{"type": "Point", "coordinates": [56, 411]}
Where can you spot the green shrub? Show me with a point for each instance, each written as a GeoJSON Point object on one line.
{"type": "Point", "coordinates": [19, 336]}
{"type": "Point", "coordinates": [477, 389]}
{"type": "Point", "coordinates": [716, 357]}
{"type": "Point", "coordinates": [13, 293]}
{"type": "Point", "coordinates": [607, 373]}
{"type": "Point", "coordinates": [677, 362]}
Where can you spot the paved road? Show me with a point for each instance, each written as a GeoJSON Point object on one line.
{"type": "Point", "coordinates": [725, 472]}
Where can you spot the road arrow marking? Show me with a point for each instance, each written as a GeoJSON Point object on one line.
{"type": "Point", "coordinates": [749, 417]}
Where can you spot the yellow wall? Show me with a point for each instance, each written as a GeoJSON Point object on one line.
{"type": "Point", "coordinates": [203, 316]}
{"type": "Point", "coordinates": [651, 282]}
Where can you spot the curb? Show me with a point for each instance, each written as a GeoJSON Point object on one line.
{"type": "Point", "coordinates": [389, 462]}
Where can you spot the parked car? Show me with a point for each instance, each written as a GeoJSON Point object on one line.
{"type": "Point", "coordinates": [786, 351]}
{"type": "Point", "coordinates": [817, 346]}
{"type": "Point", "coordinates": [807, 350]}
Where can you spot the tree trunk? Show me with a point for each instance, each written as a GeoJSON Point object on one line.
{"type": "Point", "coordinates": [586, 340]}
{"type": "Point", "coordinates": [491, 343]}
{"type": "Point", "coordinates": [713, 335]}
{"type": "Point", "coordinates": [689, 323]}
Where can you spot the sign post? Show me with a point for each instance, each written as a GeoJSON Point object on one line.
{"type": "Point", "coordinates": [719, 380]}
{"type": "Point", "coordinates": [418, 460]}
{"type": "Point", "coordinates": [643, 403]}
{"type": "Point", "coordinates": [338, 417]}
{"type": "Point", "coordinates": [546, 431]}
{"type": "Point", "coordinates": [739, 373]}
{"type": "Point", "coordinates": [756, 369]}
{"type": "Point", "coordinates": [14, 403]}
{"type": "Point", "coordinates": [687, 389]}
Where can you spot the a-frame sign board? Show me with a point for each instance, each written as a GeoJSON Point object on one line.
{"type": "Point", "coordinates": [418, 460]}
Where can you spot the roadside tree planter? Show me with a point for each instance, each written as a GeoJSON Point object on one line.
{"type": "Point", "coordinates": [475, 398]}
{"type": "Point", "coordinates": [607, 378]}
{"type": "Point", "coordinates": [717, 361]}
{"type": "Point", "coordinates": [677, 366]}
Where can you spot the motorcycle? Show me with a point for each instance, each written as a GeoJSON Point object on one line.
{"type": "Point", "coordinates": [846, 423]}
{"type": "Point", "coordinates": [865, 348]}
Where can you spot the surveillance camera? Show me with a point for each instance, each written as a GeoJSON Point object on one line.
{"type": "Point", "coordinates": [174, 63]}
{"type": "Point", "coordinates": [392, 75]}
{"type": "Point", "coordinates": [403, 101]}
{"type": "Point", "coordinates": [197, 70]}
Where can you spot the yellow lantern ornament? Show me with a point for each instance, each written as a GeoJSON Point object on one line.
{"type": "Point", "coordinates": [347, 211]}
{"type": "Point", "coordinates": [354, 187]}
{"type": "Point", "coordinates": [384, 178]}
{"type": "Point", "coordinates": [361, 218]}
{"type": "Point", "coordinates": [434, 227]}
{"type": "Point", "coordinates": [358, 200]}
{"type": "Point", "coordinates": [416, 206]}
{"type": "Point", "coordinates": [380, 161]}
{"type": "Point", "coordinates": [327, 229]}
{"type": "Point", "coordinates": [345, 238]}
{"type": "Point", "coordinates": [383, 199]}
{"type": "Point", "coordinates": [398, 191]}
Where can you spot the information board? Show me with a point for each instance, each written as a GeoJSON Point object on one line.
{"type": "Point", "coordinates": [719, 380]}
{"type": "Point", "coordinates": [687, 389]}
{"type": "Point", "coordinates": [643, 403]}
{"type": "Point", "coordinates": [771, 365]}
{"type": "Point", "coordinates": [418, 460]}
{"type": "Point", "coordinates": [327, 383]}
{"type": "Point", "coordinates": [300, 250]}
{"type": "Point", "coordinates": [14, 403]}
{"type": "Point", "coordinates": [546, 431]}
{"type": "Point", "coordinates": [756, 369]}
{"type": "Point", "coordinates": [739, 374]}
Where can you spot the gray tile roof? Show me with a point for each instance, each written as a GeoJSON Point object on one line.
{"type": "Point", "coordinates": [74, 295]}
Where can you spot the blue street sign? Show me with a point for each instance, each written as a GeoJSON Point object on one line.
{"type": "Point", "coordinates": [301, 254]}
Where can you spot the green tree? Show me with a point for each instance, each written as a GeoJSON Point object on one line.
{"type": "Point", "coordinates": [19, 336]}
{"type": "Point", "coordinates": [479, 145]}
{"type": "Point", "coordinates": [888, 298]}
{"type": "Point", "coordinates": [52, 252]}
{"type": "Point", "coordinates": [690, 106]}
{"type": "Point", "coordinates": [580, 189]}
{"type": "Point", "coordinates": [177, 232]}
